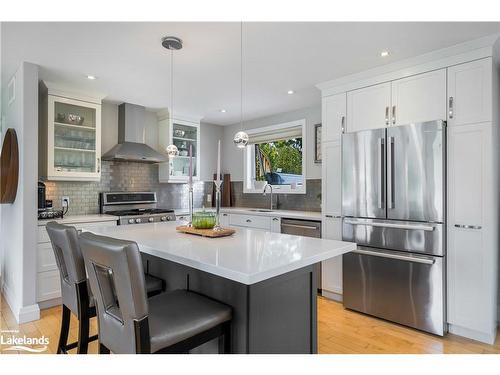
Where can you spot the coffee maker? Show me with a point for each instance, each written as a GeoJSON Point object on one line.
{"type": "Point", "coordinates": [45, 210]}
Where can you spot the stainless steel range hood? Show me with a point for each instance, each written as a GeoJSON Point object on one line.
{"type": "Point", "coordinates": [131, 146]}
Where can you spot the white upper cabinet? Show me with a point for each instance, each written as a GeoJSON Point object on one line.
{"type": "Point", "coordinates": [331, 181]}
{"type": "Point", "coordinates": [419, 98]}
{"type": "Point", "coordinates": [334, 116]}
{"type": "Point", "coordinates": [69, 137]}
{"type": "Point", "coordinates": [184, 134]}
{"type": "Point", "coordinates": [369, 107]}
{"type": "Point", "coordinates": [472, 226]}
{"type": "Point", "coordinates": [470, 92]}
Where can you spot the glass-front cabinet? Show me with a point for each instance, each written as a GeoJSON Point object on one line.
{"type": "Point", "coordinates": [73, 139]}
{"type": "Point", "coordinates": [184, 134]}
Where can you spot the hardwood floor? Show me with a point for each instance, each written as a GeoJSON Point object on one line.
{"type": "Point", "coordinates": [340, 331]}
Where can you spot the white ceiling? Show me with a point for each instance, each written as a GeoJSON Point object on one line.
{"type": "Point", "coordinates": [132, 66]}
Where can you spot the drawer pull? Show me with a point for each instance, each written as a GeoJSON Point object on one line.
{"type": "Point", "coordinates": [464, 226]}
{"type": "Point", "coordinates": [248, 221]}
{"type": "Point", "coordinates": [394, 256]}
{"type": "Point", "coordinates": [426, 228]}
{"type": "Point", "coordinates": [275, 219]}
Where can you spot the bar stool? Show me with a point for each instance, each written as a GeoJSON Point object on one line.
{"type": "Point", "coordinates": [172, 322]}
{"type": "Point", "coordinates": [75, 292]}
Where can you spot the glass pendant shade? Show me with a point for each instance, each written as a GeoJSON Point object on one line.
{"type": "Point", "coordinates": [172, 151]}
{"type": "Point", "coordinates": [240, 139]}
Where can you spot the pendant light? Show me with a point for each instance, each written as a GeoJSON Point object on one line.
{"type": "Point", "coordinates": [172, 43]}
{"type": "Point", "coordinates": [241, 138]}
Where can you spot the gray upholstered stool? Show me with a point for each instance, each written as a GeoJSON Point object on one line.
{"type": "Point", "coordinates": [172, 322]}
{"type": "Point", "coordinates": [75, 292]}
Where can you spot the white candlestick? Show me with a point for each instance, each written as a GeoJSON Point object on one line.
{"type": "Point", "coordinates": [190, 164]}
{"type": "Point", "coordinates": [218, 162]}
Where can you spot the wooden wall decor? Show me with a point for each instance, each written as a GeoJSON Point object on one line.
{"type": "Point", "coordinates": [9, 167]}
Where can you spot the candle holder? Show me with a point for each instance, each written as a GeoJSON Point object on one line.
{"type": "Point", "coordinates": [217, 227]}
{"type": "Point", "coordinates": [191, 202]}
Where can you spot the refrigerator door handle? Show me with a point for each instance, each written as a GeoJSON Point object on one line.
{"type": "Point", "coordinates": [390, 173]}
{"type": "Point", "coordinates": [426, 228]}
{"type": "Point", "coordinates": [420, 260]}
{"type": "Point", "coordinates": [381, 186]}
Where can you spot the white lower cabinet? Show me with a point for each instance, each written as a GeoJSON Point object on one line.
{"type": "Point", "coordinates": [269, 223]}
{"type": "Point", "coordinates": [331, 269]}
{"type": "Point", "coordinates": [472, 232]}
{"type": "Point", "coordinates": [48, 282]}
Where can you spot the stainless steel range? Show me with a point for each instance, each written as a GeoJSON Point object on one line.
{"type": "Point", "coordinates": [134, 207]}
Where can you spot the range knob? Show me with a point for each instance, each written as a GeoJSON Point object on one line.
{"type": "Point", "coordinates": [138, 221]}
{"type": "Point", "coordinates": [151, 219]}
{"type": "Point", "coordinates": [131, 221]}
{"type": "Point", "coordinates": [163, 218]}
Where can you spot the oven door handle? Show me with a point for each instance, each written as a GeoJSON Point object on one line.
{"type": "Point", "coordinates": [427, 228]}
{"type": "Point", "coordinates": [420, 260]}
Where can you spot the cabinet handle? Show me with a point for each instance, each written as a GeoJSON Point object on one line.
{"type": "Point", "coordinates": [224, 214]}
{"type": "Point", "coordinates": [393, 115]}
{"type": "Point", "coordinates": [450, 107]}
{"type": "Point", "coordinates": [98, 165]}
{"type": "Point", "coordinates": [342, 123]}
{"type": "Point", "coordinates": [387, 115]}
{"type": "Point", "coordinates": [275, 219]}
{"type": "Point", "coordinates": [249, 221]}
{"type": "Point", "coordinates": [464, 226]}
{"type": "Point", "coordinates": [333, 216]}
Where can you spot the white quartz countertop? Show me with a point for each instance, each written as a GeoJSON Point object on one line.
{"type": "Point", "coordinates": [292, 214]}
{"type": "Point", "coordinates": [74, 219]}
{"type": "Point", "coordinates": [248, 256]}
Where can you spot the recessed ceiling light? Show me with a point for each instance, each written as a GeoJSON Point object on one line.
{"type": "Point", "coordinates": [290, 92]}
{"type": "Point", "coordinates": [91, 77]}
{"type": "Point", "coordinates": [222, 110]}
{"type": "Point", "coordinates": [384, 53]}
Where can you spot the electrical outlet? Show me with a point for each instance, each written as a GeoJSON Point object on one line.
{"type": "Point", "coordinates": [209, 198]}
{"type": "Point", "coordinates": [65, 202]}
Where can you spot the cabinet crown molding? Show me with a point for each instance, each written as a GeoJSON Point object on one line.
{"type": "Point", "coordinates": [472, 50]}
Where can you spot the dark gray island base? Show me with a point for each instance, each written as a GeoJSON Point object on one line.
{"type": "Point", "coordinates": [275, 316]}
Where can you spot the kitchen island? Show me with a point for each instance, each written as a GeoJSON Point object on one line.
{"type": "Point", "coordinates": [268, 279]}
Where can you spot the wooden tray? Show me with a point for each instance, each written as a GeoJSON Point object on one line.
{"type": "Point", "coordinates": [206, 232]}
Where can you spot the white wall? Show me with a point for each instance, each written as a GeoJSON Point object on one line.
{"type": "Point", "coordinates": [209, 135]}
{"type": "Point", "coordinates": [233, 157]}
{"type": "Point", "coordinates": [19, 220]}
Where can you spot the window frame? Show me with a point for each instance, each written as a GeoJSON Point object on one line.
{"type": "Point", "coordinates": [249, 155]}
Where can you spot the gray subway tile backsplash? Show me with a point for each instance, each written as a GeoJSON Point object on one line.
{"type": "Point", "coordinates": [130, 176]}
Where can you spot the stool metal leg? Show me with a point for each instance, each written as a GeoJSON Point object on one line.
{"type": "Point", "coordinates": [84, 318]}
{"type": "Point", "coordinates": [103, 349]}
{"type": "Point", "coordinates": [63, 336]}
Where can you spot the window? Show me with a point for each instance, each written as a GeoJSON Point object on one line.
{"type": "Point", "coordinates": [276, 155]}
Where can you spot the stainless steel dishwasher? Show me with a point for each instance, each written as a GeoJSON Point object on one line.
{"type": "Point", "coordinates": [307, 228]}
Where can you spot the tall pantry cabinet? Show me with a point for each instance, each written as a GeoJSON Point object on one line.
{"type": "Point", "coordinates": [472, 201]}
{"type": "Point", "coordinates": [462, 89]}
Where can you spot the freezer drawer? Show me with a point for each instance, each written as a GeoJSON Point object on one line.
{"type": "Point", "coordinates": [426, 238]}
{"type": "Point", "coordinates": [400, 287]}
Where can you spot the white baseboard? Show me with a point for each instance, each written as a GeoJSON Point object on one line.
{"type": "Point", "coordinates": [331, 295]}
{"type": "Point", "coordinates": [488, 338]}
{"type": "Point", "coordinates": [50, 303]}
{"type": "Point", "coordinates": [22, 314]}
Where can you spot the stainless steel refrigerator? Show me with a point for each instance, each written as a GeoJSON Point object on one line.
{"type": "Point", "coordinates": [393, 203]}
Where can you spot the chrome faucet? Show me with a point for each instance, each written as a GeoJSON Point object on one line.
{"type": "Point", "coordinates": [264, 193]}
